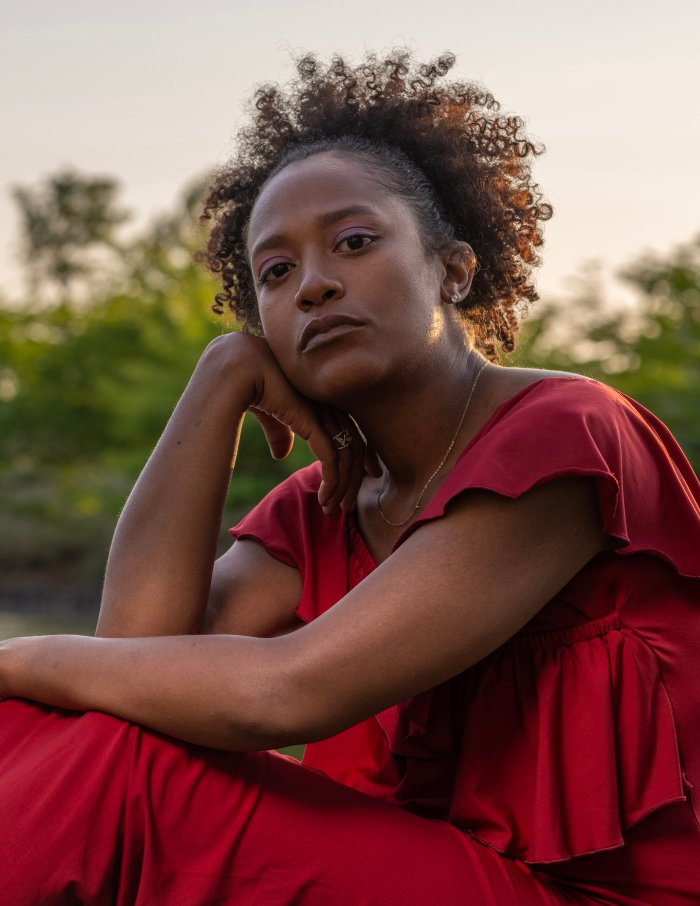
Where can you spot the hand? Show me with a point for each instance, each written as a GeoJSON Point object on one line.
{"type": "Point", "coordinates": [283, 412]}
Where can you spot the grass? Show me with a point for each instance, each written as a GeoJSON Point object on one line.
{"type": "Point", "coordinates": [14, 624]}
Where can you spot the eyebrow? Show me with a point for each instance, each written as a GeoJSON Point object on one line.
{"type": "Point", "coordinates": [324, 220]}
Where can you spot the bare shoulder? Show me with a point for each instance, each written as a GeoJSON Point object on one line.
{"type": "Point", "coordinates": [506, 381]}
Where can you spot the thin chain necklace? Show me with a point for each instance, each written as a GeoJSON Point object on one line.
{"type": "Point", "coordinates": [442, 463]}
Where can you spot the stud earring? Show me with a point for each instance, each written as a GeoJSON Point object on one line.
{"type": "Point", "coordinates": [454, 298]}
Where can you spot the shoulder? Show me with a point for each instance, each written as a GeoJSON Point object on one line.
{"type": "Point", "coordinates": [556, 401]}
{"type": "Point", "coordinates": [303, 481]}
{"type": "Point", "coordinates": [273, 521]}
{"type": "Point", "coordinates": [295, 494]}
{"type": "Point", "coordinates": [563, 426]}
{"type": "Point", "coordinates": [556, 422]}
{"type": "Point", "coordinates": [289, 522]}
{"type": "Point", "coordinates": [294, 490]}
{"type": "Point", "coordinates": [511, 386]}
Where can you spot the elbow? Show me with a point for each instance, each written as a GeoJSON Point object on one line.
{"type": "Point", "coordinates": [284, 706]}
{"type": "Point", "coordinates": [273, 726]}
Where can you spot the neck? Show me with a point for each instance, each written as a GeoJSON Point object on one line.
{"type": "Point", "coordinates": [411, 424]}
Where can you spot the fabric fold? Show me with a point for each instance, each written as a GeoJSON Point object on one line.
{"type": "Point", "coordinates": [574, 744]}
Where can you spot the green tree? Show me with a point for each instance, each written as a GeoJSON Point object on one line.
{"type": "Point", "coordinates": [650, 350]}
{"type": "Point", "coordinates": [64, 221]}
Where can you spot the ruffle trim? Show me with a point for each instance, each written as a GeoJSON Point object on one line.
{"type": "Point", "coordinates": [571, 745]}
{"type": "Point", "coordinates": [648, 494]}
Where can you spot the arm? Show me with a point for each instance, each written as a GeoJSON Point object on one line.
{"type": "Point", "coordinates": [252, 594]}
{"type": "Point", "coordinates": [387, 640]}
{"type": "Point", "coordinates": [161, 559]}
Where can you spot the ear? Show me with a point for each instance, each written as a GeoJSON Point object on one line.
{"type": "Point", "coordinates": [459, 263]}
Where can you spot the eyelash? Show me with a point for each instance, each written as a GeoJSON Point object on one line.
{"type": "Point", "coordinates": [268, 275]}
{"type": "Point", "coordinates": [358, 236]}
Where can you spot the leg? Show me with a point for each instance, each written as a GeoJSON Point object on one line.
{"type": "Point", "coordinates": [95, 810]}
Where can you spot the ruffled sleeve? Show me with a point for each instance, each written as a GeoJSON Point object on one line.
{"type": "Point", "coordinates": [292, 527]}
{"type": "Point", "coordinates": [648, 494]}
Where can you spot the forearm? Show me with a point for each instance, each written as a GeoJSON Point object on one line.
{"type": "Point", "coordinates": [161, 558]}
{"type": "Point", "coordinates": [225, 692]}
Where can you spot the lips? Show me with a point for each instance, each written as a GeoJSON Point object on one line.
{"type": "Point", "coordinates": [329, 326]}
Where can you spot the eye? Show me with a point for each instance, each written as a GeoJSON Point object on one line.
{"type": "Point", "coordinates": [273, 272]}
{"type": "Point", "coordinates": [355, 242]}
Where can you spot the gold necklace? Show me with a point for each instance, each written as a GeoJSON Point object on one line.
{"type": "Point", "coordinates": [442, 463]}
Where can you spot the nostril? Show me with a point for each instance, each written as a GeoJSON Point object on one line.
{"type": "Point", "coordinates": [316, 292]}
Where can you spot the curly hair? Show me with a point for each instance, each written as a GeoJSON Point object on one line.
{"type": "Point", "coordinates": [442, 145]}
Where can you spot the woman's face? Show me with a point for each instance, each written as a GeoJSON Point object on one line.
{"type": "Point", "coordinates": [349, 297]}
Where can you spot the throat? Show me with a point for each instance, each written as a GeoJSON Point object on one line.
{"type": "Point", "coordinates": [378, 534]}
{"type": "Point", "coordinates": [412, 511]}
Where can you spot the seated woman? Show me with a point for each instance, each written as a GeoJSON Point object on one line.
{"type": "Point", "coordinates": [480, 606]}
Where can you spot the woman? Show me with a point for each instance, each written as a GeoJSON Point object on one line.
{"type": "Point", "coordinates": [480, 606]}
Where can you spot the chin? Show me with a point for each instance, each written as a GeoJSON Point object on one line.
{"type": "Point", "coordinates": [341, 383]}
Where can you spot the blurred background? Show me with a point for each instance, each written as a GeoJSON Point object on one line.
{"type": "Point", "coordinates": [112, 118]}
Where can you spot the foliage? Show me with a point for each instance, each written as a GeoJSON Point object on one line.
{"type": "Point", "coordinates": [651, 350]}
{"type": "Point", "coordinates": [64, 219]}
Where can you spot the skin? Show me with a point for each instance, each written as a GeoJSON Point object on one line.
{"type": "Point", "coordinates": [212, 653]}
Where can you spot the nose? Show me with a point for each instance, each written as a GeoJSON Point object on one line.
{"type": "Point", "coordinates": [317, 288]}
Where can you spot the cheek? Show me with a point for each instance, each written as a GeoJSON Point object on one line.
{"type": "Point", "coordinates": [281, 340]}
{"type": "Point", "coordinates": [272, 321]}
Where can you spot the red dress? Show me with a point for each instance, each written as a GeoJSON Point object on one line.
{"type": "Point", "coordinates": [559, 769]}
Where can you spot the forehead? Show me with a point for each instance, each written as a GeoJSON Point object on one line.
{"type": "Point", "coordinates": [317, 185]}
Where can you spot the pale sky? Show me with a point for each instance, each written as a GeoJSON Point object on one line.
{"type": "Point", "coordinates": [151, 92]}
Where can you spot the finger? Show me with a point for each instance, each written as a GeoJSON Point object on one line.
{"type": "Point", "coordinates": [295, 414]}
{"type": "Point", "coordinates": [340, 426]}
{"type": "Point", "coordinates": [280, 438]}
{"type": "Point", "coordinates": [280, 403]}
{"type": "Point", "coordinates": [359, 446]}
{"type": "Point", "coordinates": [324, 450]}
{"type": "Point", "coordinates": [330, 498]}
